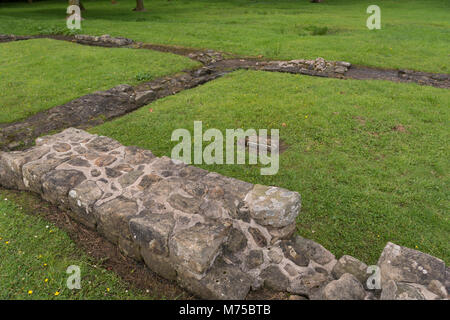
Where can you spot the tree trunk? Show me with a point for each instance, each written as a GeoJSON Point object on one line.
{"type": "Point", "coordinates": [76, 3]}
{"type": "Point", "coordinates": [139, 5]}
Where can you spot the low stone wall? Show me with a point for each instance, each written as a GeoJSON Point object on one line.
{"type": "Point", "coordinates": [216, 236]}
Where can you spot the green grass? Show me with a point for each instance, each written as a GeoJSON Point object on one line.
{"type": "Point", "coordinates": [39, 74]}
{"type": "Point", "coordinates": [362, 182]}
{"type": "Point", "coordinates": [35, 256]}
{"type": "Point", "coordinates": [414, 34]}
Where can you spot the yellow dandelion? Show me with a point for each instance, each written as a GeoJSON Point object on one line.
{"type": "Point", "coordinates": [107, 289]}
{"type": "Point", "coordinates": [6, 242]}
{"type": "Point", "coordinates": [57, 293]}
{"type": "Point", "coordinates": [45, 280]}
{"type": "Point", "coordinates": [45, 264]}
{"type": "Point", "coordinates": [417, 247]}
{"type": "Point", "coordinates": [30, 291]}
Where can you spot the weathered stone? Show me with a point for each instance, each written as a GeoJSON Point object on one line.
{"type": "Point", "coordinates": [113, 218]}
{"type": "Point", "coordinates": [313, 250]}
{"type": "Point", "coordinates": [296, 256]}
{"type": "Point", "coordinates": [79, 162]}
{"type": "Point", "coordinates": [103, 144]}
{"type": "Point", "coordinates": [346, 288]}
{"type": "Point", "coordinates": [160, 264]}
{"type": "Point", "coordinates": [348, 264]}
{"type": "Point", "coordinates": [82, 199]}
{"type": "Point", "coordinates": [143, 97]}
{"type": "Point", "coordinates": [151, 231]}
{"type": "Point", "coordinates": [35, 170]}
{"type": "Point", "coordinates": [393, 290]}
{"type": "Point", "coordinates": [272, 206]}
{"type": "Point", "coordinates": [57, 183]}
{"type": "Point", "coordinates": [11, 166]}
{"type": "Point", "coordinates": [62, 147]}
{"type": "Point", "coordinates": [407, 265]}
{"type": "Point", "coordinates": [197, 247]}
{"type": "Point", "coordinates": [281, 233]}
{"type": "Point", "coordinates": [222, 282]}
{"type": "Point", "coordinates": [104, 160]}
{"type": "Point", "coordinates": [95, 172]}
{"type": "Point", "coordinates": [275, 256]}
{"type": "Point", "coordinates": [124, 167]}
{"type": "Point", "coordinates": [129, 248]}
{"type": "Point", "coordinates": [309, 283]}
{"type": "Point", "coordinates": [274, 278]}
{"type": "Point", "coordinates": [112, 173]}
{"type": "Point", "coordinates": [437, 288]}
{"type": "Point", "coordinates": [185, 204]}
{"type": "Point", "coordinates": [148, 180]}
{"type": "Point", "coordinates": [254, 259]}
{"type": "Point", "coordinates": [236, 241]}
{"type": "Point", "coordinates": [135, 155]}
{"type": "Point", "coordinates": [129, 178]}
{"type": "Point", "coordinates": [258, 237]}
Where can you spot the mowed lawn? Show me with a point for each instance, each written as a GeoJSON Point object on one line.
{"type": "Point", "coordinates": [35, 256]}
{"type": "Point", "coordinates": [40, 74]}
{"type": "Point", "coordinates": [369, 158]}
{"type": "Point", "coordinates": [415, 34]}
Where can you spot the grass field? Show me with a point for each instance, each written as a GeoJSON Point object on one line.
{"type": "Point", "coordinates": [414, 34]}
{"type": "Point", "coordinates": [370, 158]}
{"type": "Point", "coordinates": [35, 256]}
{"type": "Point", "coordinates": [40, 74]}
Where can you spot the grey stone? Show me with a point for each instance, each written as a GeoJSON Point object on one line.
{"type": "Point", "coordinates": [79, 162]}
{"type": "Point", "coordinates": [274, 278]}
{"type": "Point", "coordinates": [197, 247]}
{"type": "Point", "coordinates": [57, 183]}
{"type": "Point", "coordinates": [254, 259]}
{"type": "Point", "coordinates": [135, 155]}
{"type": "Point", "coordinates": [281, 233]}
{"type": "Point", "coordinates": [348, 264]}
{"type": "Point", "coordinates": [346, 288]}
{"type": "Point", "coordinates": [275, 256]}
{"type": "Point", "coordinates": [258, 237]}
{"type": "Point", "coordinates": [185, 204]}
{"type": "Point", "coordinates": [143, 97]}
{"type": "Point", "coordinates": [82, 199]}
{"type": "Point", "coordinates": [11, 166]}
{"type": "Point", "coordinates": [103, 144]}
{"type": "Point", "coordinates": [272, 206]}
{"type": "Point", "coordinates": [393, 290]}
{"type": "Point", "coordinates": [236, 241]}
{"type": "Point", "coordinates": [222, 282]}
{"type": "Point", "coordinates": [129, 178]}
{"type": "Point", "coordinates": [113, 218]}
{"type": "Point", "coordinates": [312, 250]}
{"type": "Point", "coordinates": [35, 170]}
{"type": "Point", "coordinates": [407, 265]}
{"type": "Point", "coordinates": [437, 288]}
{"type": "Point", "coordinates": [309, 283]}
{"type": "Point", "coordinates": [296, 256]}
{"type": "Point", "coordinates": [151, 231]}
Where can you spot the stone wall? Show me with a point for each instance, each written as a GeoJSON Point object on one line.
{"type": "Point", "coordinates": [216, 236]}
